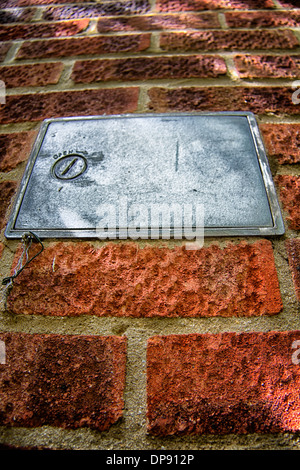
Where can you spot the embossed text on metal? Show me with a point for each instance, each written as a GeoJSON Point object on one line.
{"type": "Point", "coordinates": [80, 166]}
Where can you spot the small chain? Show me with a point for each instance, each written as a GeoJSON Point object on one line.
{"type": "Point", "coordinates": [24, 260]}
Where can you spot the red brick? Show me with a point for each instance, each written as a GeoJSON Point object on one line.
{"type": "Point", "coordinates": [194, 5]}
{"type": "Point", "coordinates": [235, 383]}
{"type": "Point", "coordinates": [36, 107]}
{"type": "Point", "coordinates": [43, 30]}
{"type": "Point", "coordinates": [158, 22]}
{"type": "Point", "coordinates": [267, 66]}
{"type": "Point", "coordinates": [4, 48]}
{"type": "Point", "coordinates": [31, 74]}
{"type": "Point", "coordinates": [260, 100]}
{"type": "Point", "coordinates": [289, 187]}
{"type": "Point", "coordinates": [7, 190]}
{"type": "Point", "coordinates": [282, 141]}
{"type": "Point", "coordinates": [84, 45]}
{"type": "Point", "coordinates": [239, 280]}
{"type": "Point", "coordinates": [293, 250]}
{"type": "Point", "coordinates": [64, 381]}
{"type": "Point", "coordinates": [15, 148]}
{"type": "Point", "coordinates": [228, 39]}
{"type": "Point", "coordinates": [17, 15]}
{"type": "Point", "coordinates": [148, 68]}
{"type": "Point", "coordinates": [66, 12]}
{"type": "Point", "coordinates": [266, 19]}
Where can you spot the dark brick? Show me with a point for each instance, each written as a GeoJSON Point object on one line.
{"type": "Point", "coordinates": [64, 381]}
{"type": "Point", "coordinates": [236, 383]}
{"type": "Point", "coordinates": [266, 19]}
{"type": "Point", "coordinates": [15, 148]}
{"type": "Point", "coordinates": [194, 5]}
{"type": "Point", "coordinates": [129, 7]}
{"type": "Point", "coordinates": [1, 249]}
{"type": "Point", "coordinates": [4, 48]}
{"type": "Point", "coordinates": [31, 74]}
{"type": "Point", "coordinates": [7, 190]}
{"type": "Point", "coordinates": [293, 250]}
{"type": "Point", "coordinates": [84, 45]}
{"type": "Point", "coordinates": [260, 100]}
{"type": "Point", "coordinates": [282, 141]}
{"type": "Point", "coordinates": [17, 15]}
{"type": "Point", "coordinates": [228, 39]}
{"type": "Point", "coordinates": [267, 66]}
{"type": "Point", "coordinates": [36, 107]}
{"type": "Point", "coordinates": [289, 187]}
{"type": "Point", "coordinates": [148, 68]}
{"type": "Point", "coordinates": [159, 22]}
{"type": "Point", "coordinates": [238, 280]}
{"type": "Point", "coordinates": [289, 3]}
{"type": "Point", "coordinates": [43, 30]}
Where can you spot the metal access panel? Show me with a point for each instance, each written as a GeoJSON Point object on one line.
{"type": "Point", "coordinates": [80, 168]}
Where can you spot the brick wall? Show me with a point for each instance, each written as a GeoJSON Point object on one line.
{"type": "Point", "coordinates": [131, 345]}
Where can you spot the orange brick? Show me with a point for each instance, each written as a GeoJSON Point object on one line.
{"type": "Point", "coordinates": [289, 187]}
{"type": "Point", "coordinates": [282, 141]}
{"type": "Point", "coordinates": [239, 280]}
{"type": "Point", "coordinates": [223, 383]}
{"type": "Point", "coordinates": [14, 149]}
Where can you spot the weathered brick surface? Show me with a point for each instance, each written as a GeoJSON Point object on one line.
{"type": "Point", "coordinates": [36, 107]}
{"type": "Point", "coordinates": [289, 187]}
{"type": "Point", "coordinates": [84, 45]}
{"type": "Point", "coordinates": [31, 74]}
{"type": "Point", "coordinates": [63, 381]}
{"type": "Point", "coordinates": [266, 19]}
{"type": "Point", "coordinates": [43, 30]}
{"type": "Point", "coordinates": [194, 5]}
{"type": "Point", "coordinates": [112, 8]}
{"type": "Point", "coordinates": [17, 15]}
{"type": "Point", "coordinates": [260, 100]}
{"type": "Point", "coordinates": [293, 250]}
{"type": "Point", "coordinates": [282, 141]}
{"type": "Point", "coordinates": [1, 249]}
{"type": "Point", "coordinates": [239, 280]}
{"type": "Point", "coordinates": [229, 39]}
{"type": "Point", "coordinates": [7, 190]}
{"type": "Point", "coordinates": [148, 68]}
{"type": "Point", "coordinates": [159, 22]}
{"type": "Point", "coordinates": [267, 66]}
{"type": "Point", "coordinates": [4, 48]}
{"type": "Point", "coordinates": [15, 148]}
{"type": "Point", "coordinates": [289, 3]}
{"type": "Point", "coordinates": [223, 383]}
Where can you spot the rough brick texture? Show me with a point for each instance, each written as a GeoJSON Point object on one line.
{"type": "Point", "coordinates": [266, 19]}
{"type": "Point", "coordinates": [239, 280]}
{"type": "Point", "coordinates": [4, 48]}
{"type": "Point", "coordinates": [95, 10]}
{"type": "Point", "coordinates": [293, 249]}
{"type": "Point", "coordinates": [194, 5]}
{"type": "Point", "coordinates": [17, 15]}
{"type": "Point", "coordinates": [148, 68]}
{"type": "Point", "coordinates": [223, 383]}
{"type": "Point", "coordinates": [267, 66]}
{"type": "Point", "coordinates": [289, 187]}
{"type": "Point", "coordinates": [233, 40]}
{"type": "Point", "coordinates": [31, 75]}
{"type": "Point", "coordinates": [43, 30]}
{"type": "Point", "coordinates": [63, 381]}
{"type": "Point", "coordinates": [84, 45]}
{"type": "Point", "coordinates": [282, 141]}
{"type": "Point", "coordinates": [159, 22]}
{"type": "Point", "coordinates": [7, 190]}
{"type": "Point", "coordinates": [14, 149]}
{"type": "Point", "coordinates": [260, 100]}
{"type": "Point", "coordinates": [36, 107]}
